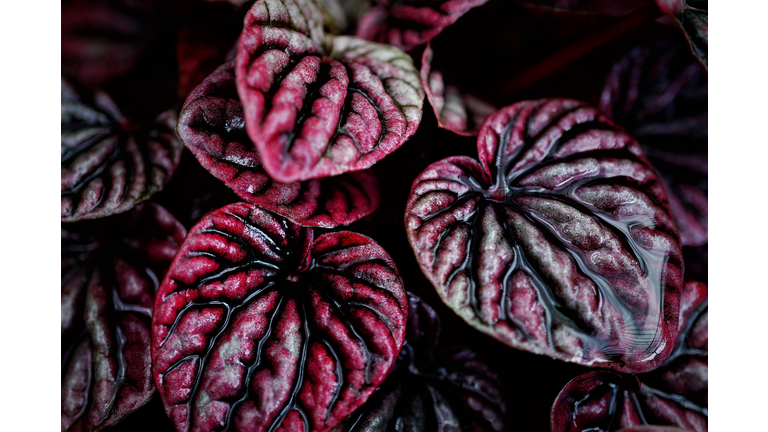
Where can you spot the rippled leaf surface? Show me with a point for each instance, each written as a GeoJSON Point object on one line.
{"type": "Point", "coordinates": [459, 112]}
{"type": "Point", "coordinates": [559, 241]}
{"type": "Point", "coordinates": [410, 23]}
{"type": "Point", "coordinates": [110, 272]}
{"type": "Point", "coordinates": [108, 164]}
{"type": "Point", "coordinates": [673, 395]}
{"type": "Point", "coordinates": [452, 390]}
{"type": "Point", "coordinates": [211, 125]}
{"type": "Point", "coordinates": [317, 105]}
{"type": "Point", "coordinates": [659, 95]}
{"type": "Point", "coordinates": [258, 327]}
{"type": "Point", "coordinates": [103, 39]}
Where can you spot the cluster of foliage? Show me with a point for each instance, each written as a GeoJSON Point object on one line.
{"type": "Point", "coordinates": [389, 215]}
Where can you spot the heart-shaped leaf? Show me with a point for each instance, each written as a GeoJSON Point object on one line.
{"type": "Point", "coordinates": [211, 125]}
{"type": "Point", "coordinates": [410, 23]}
{"type": "Point", "coordinates": [673, 395]}
{"type": "Point", "coordinates": [456, 111]}
{"type": "Point", "coordinates": [317, 105]}
{"type": "Point", "coordinates": [257, 327]}
{"type": "Point", "coordinates": [109, 278]}
{"type": "Point", "coordinates": [103, 39]}
{"type": "Point", "coordinates": [109, 165]}
{"type": "Point", "coordinates": [559, 241]}
{"type": "Point", "coordinates": [692, 16]}
{"type": "Point", "coordinates": [659, 95]}
{"type": "Point", "coordinates": [448, 391]}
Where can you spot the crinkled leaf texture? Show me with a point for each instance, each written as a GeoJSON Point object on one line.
{"type": "Point", "coordinates": [317, 105]}
{"type": "Point", "coordinates": [692, 16]}
{"type": "Point", "coordinates": [659, 95]}
{"type": "Point", "coordinates": [559, 241]}
{"type": "Point", "coordinates": [410, 23]}
{"type": "Point", "coordinates": [260, 327]}
{"type": "Point", "coordinates": [109, 278]}
{"type": "Point", "coordinates": [103, 39]}
{"type": "Point", "coordinates": [211, 125]}
{"type": "Point", "coordinates": [673, 395]}
{"type": "Point", "coordinates": [449, 391]}
{"type": "Point", "coordinates": [456, 111]}
{"type": "Point", "coordinates": [109, 165]}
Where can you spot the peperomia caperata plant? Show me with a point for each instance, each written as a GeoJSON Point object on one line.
{"type": "Point", "coordinates": [379, 215]}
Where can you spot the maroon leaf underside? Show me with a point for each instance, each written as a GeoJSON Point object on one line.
{"type": "Point", "coordinates": [316, 105]}
{"type": "Point", "coordinates": [660, 96]}
{"type": "Point", "coordinates": [108, 287]}
{"type": "Point", "coordinates": [458, 112]}
{"type": "Point", "coordinates": [558, 242]}
{"type": "Point", "coordinates": [408, 24]}
{"type": "Point", "coordinates": [211, 125]}
{"type": "Point", "coordinates": [107, 164]}
{"type": "Point", "coordinates": [452, 390]}
{"type": "Point", "coordinates": [257, 327]}
{"type": "Point", "coordinates": [673, 395]}
{"type": "Point", "coordinates": [103, 39]}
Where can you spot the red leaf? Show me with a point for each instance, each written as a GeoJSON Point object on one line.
{"type": "Point", "coordinates": [212, 126]}
{"type": "Point", "coordinates": [258, 327]}
{"type": "Point", "coordinates": [558, 241]}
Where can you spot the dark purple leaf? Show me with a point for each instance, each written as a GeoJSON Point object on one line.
{"type": "Point", "coordinates": [109, 276]}
{"type": "Point", "coordinates": [456, 111]}
{"type": "Point", "coordinates": [673, 395]}
{"type": "Point", "coordinates": [103, 39]}
{"type": "Point", "coordinates": [259, 327]}
{"type": "Point", "coordinates": [559, 241]}
{"type": "Point", "coordinates": [109, 165]}
{"type": "Point", "coordinates": [692, 17]}
{"type": "Point", "coordinates": [659, 95]}
{"type": "Point", "coordinates": [450, 391]}
{"type": "Point", "coordinates": [410, 23]}
{"type": "Point", "coordinates": [211, 125]}
{"type": "Point", "coordinates": [317, 105]}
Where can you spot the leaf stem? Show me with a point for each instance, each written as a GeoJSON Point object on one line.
{"type": "Point", "coordinates": [556, 61]}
